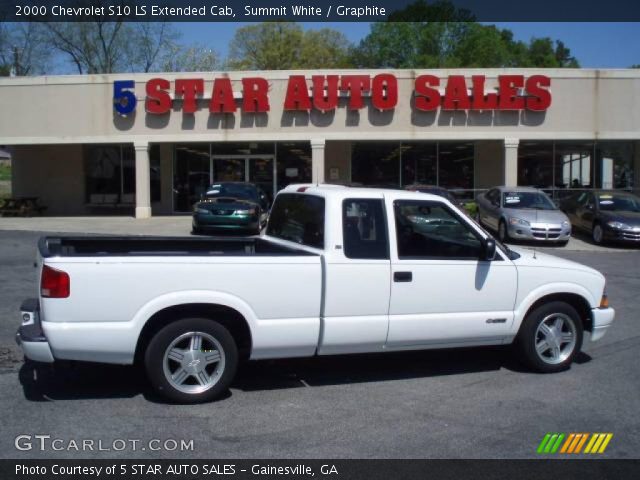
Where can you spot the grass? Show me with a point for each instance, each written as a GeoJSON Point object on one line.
{"type": "Point", "coordinates": [5, 172]}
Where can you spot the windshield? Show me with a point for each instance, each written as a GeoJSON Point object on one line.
{"type": "Point", "coordinates": [527, 200]}
{"type": "Point", "coordinates": [619, 203]}
{"type": "Point", "coordinates": [232, 190]}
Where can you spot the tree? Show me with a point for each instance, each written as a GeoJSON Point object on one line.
{"type": "Point", "coordinates": [23, 49]}
{"type": "Point", "coordinates": [285, 45]}
{"type": "Point", "coordinates": [440, 35]}
{"type": "Point", "coordinates": [193, 58]}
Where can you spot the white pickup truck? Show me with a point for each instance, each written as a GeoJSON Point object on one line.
{"type": "Point", "coordinates": [338, 270]}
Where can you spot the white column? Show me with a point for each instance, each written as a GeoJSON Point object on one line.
{"type": "Point", "coordinates": [511, 161]}
{"type": "Point", "coordinates": [317, 160]}
{"type": "Point", "coordinates": [143, 180]}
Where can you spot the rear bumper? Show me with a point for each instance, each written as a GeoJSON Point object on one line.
{"type": "Point", "coordinates": [602, 320]}
{"type": "Point", "coordinates": [30, 336]}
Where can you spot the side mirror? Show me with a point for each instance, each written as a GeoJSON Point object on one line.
{"type": "Point", "coordinates": [488, 249]}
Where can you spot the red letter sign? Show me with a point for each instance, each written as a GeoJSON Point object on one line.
{"type": "Point", "coordinates": [355, 85]}
{"type": "Point", "coordinates": [330, 102]}
{"type": "Point", "coordinates": [297, 94]}
{"type": "Point", "coordinates": [480, 100]}
{"type": "Point", "coordinates": [509, 99]}
{"type": "Point", "coordinates": [539, 98]}
{"type": "Point", "coordinates": [158, 99]}
{"type": "Point", "coordinates": [255, 95]}
{"type": "Point", "coordinates": [378, 97]}
{"type": "Point", "coordinates": [222, 97]}
{"type": "Point", "coordinates": [189, 88]}
{"type": "Point", "coordinates": [427, 98]}
{"type": "Point", "coordinates": [455, 95]}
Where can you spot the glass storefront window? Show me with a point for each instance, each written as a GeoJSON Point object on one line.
{"type": "Point", "coordinates": [293, 163]}
{"type": "Point", "coordinates": [376, 163]}
{"type": "Point", "coordinates": [154, 165]}
{"type": "Point", "coordinates": [535, 164]}
{"type": "Point", "coordinates": [191, 174]}
{"type": "Point", "coordinates": [455, 163]}
{"type": "Point", "coordinates": [573, 164]}
{"type": "Point", "coordinates": [243, 148]}
{"type": "Point", "coordinates": [419, 163]}
{"type": "Point", "coordinates": [110, 175]}
{"type": "Point", "coordinates": [615, 165]}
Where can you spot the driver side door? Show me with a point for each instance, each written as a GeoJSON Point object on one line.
{"type": "Point", "coordinates": [441, 292]}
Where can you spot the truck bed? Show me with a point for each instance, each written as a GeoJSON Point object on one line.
{"type": "Point", "coordinates": [105, 246]}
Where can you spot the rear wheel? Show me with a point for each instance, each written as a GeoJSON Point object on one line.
{"type": "Point", "coordinates": [192, 360]}
{"type": "Point", "coordinates": [550, 337]}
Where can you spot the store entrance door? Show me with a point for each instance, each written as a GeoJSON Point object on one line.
{"type": "Point", "coordinates": [258, 169]}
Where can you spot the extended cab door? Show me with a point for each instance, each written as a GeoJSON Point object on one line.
{"type": "Point", "coordinates": [357, 278]}
{"type": "Point", "coordinates": [442, 293]}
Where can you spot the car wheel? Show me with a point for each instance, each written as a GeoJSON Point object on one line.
{"type": "Point", "coordinates": [196, 230]}
{"type": "Point", "coordinates": [192, 360]}
{"type": "Point", "coordinates": [597, 234]}
{"type": "Point", "coordinates": [503, 234]}
{"type": "Point", "coordinates": [550, 337]}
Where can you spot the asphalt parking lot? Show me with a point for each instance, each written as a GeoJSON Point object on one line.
{"type": "Point", "coordinates": [474, 403]}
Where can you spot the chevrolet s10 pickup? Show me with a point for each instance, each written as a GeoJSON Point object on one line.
{"type": "Point", "coordinates": [338, 270]}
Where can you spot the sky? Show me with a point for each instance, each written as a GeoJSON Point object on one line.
{"type": "Point", "coordinates": [595, 45]}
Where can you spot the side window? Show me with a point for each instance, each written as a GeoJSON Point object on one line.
{"type": "Point", "coordinates": [429, 230]}
{"type": "Point", "coordinates": [364, 229]}
{"type": "Point", "coordinates": [298, 218]}
{"type": "Point", "coordinates": [493, 196]}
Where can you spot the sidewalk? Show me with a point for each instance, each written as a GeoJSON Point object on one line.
{"type": "Point", "coordinates": [164, 226]}
{"type": "Point", "coordinates": [181, 226]}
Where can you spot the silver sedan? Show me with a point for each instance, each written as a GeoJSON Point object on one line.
{"type": "Point", "coordinates": [523, 213]}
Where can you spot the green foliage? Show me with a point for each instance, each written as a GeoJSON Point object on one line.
{"type": "Point", "coordinates": [5, 172]}
{"type": "Point", "coordinates": [285, 46]}
{"type": "Point", "coordinates": [441, 36]}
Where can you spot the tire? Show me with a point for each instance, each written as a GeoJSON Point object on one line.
{"type": "Point", "coordinates": [597, 234]}
{"type": "Point", "coordinates": [503, 233]}
{"type": "Point", "coordinates": [195, 371]}
{"type": "Point", "coordinates": [539, 347]}
{"type": "Point", "coordinates": [196, 231]}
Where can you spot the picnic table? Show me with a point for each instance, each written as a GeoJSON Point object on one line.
{"type": "Point", "coordinates": [21, 207]}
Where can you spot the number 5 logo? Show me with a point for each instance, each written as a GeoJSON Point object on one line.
{"type": "Point", "coordinates": [124, 100]}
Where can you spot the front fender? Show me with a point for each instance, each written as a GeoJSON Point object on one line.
{"type": "Point", "coordinates": [545, 290]}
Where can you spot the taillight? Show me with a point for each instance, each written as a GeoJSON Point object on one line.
{"type": "Point", "coordinates": [54, 283]}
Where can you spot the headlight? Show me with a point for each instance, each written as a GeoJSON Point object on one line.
{"type": "Point", "coordinates": [518, 221]}
{"type": "Point", "coordinates": [566, 224]}
{"type": "Point", "coordinates": [620, 225]}
{"type": "Point", "coordinates": [249, 211]}
{"type": "Point", "coordinates": [202, 210]}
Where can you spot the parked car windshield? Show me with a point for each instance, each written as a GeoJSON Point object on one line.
{"type": "Point", "coordinates": [527, 200]}
{"type": "Point", "coordinates": [618, 203]}
{"type": "Point", "coordinates": [232, 190]}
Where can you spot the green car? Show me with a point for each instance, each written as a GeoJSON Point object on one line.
{"type": "Point", "coordinates": [232, 207]}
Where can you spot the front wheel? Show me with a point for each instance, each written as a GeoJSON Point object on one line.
{"type": "Point", "coordinates": [192, 360]}
{"type": "Point", "coordinates": [503, 234]}
{"type": "Point", "coordinates": [597, 234]}
{"type": "Point", "coordinates": [550, 337]}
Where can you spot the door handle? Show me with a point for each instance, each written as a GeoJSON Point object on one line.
{"type": "Point", "coordinates": [402, 276]}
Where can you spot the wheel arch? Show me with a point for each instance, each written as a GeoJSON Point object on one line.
{"type": "Point", "coordinates": [576, 300]}
{"type": "Point", "coordinates": [230, 318]}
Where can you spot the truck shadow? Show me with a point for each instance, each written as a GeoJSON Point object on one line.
{"type": "Point", "coordinates": [78, 381]}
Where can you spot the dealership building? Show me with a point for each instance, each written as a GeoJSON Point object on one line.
{"type": "Point", "coordinates": [151, 144]}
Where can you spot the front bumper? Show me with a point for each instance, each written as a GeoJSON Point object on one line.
{"type": "Point", "coordinates": [30, 336]}
{"type": "Point", "coordinates": [231, 222]}
{"type": "Point", "coordinates": [539, 232]}
{"type": "Point", "coordinates": [602, 320]}
{"type": "Point", "coordinates": [619, 235]}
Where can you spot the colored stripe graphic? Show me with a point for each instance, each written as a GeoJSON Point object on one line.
{"type": "Point", "coordinates": [552, 442]}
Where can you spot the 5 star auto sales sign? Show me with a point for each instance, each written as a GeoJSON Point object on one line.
{"type": "Point", "coordinates": [328, 92]}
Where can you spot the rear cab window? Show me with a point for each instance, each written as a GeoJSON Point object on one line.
{"type": "Point", "coordinates": [364, 229]}
{"type": "Point", "coordinates": [298, 218]}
